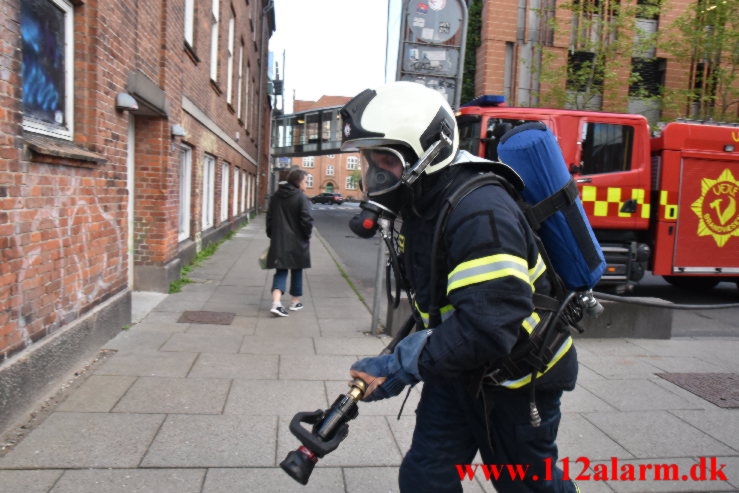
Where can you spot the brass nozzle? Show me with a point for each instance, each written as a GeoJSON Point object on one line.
{"type": "Point", "coordinates": [359, 387]}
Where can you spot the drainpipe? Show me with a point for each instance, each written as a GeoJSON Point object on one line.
{"type": "Point", "coordinates": [262, 62]}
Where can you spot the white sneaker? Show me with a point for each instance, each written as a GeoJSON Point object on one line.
{"type": "Point", "coordinates": [296, 306]}
{"type": "Point", "coordinates": [279, 311]}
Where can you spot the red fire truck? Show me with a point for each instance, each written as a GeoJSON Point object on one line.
{"type": "Point", "coordinates": [667, 204]}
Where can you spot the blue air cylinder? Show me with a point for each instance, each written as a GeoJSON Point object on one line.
{"type": "Point", "coordinates": [532, 150]}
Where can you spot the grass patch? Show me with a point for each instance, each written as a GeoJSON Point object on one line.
{"type": "Point", "coordinates": [208, 251]}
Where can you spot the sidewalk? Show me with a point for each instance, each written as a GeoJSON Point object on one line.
{"type": "Point", "coordinates": [187, 407]}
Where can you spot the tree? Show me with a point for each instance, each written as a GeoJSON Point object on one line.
{"type": "Point", "coordinates": [604, 39]}
{"type": "Point", "coordinates": [706, 39]}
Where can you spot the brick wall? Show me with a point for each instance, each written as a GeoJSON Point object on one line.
{"type": "Point", "coordinates": [500, 23]}
{"type": "Point", "coordinates": [63, 204]}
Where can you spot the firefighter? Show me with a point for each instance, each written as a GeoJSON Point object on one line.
{"type": "Point", "coordinates": [490, 267]}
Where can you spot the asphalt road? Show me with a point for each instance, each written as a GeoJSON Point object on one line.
{"type": "Point", "coordinates": [360, 259]}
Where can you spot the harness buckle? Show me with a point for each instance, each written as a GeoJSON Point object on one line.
{"type": "Point", "coordinates": [495, 377]}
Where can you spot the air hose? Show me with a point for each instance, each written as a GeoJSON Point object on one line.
{"type": "Point", "coordinates": [663, 304]}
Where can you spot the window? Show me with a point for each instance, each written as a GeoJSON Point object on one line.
{"type": "Point", "coordinates": [308, 162]}
{"type": "Point", "coordinates": [254, 190]}
{"type": "Point", "coordinates": [248, 192]}
{"type": "Point", "coordinates": [214, 23]}
{"type": "Point", "coordinates": [230, 58]}
{"type": "Point", "coordinates": [183, 212]}
{"type": "Point", "coordinates": [330, 170]}
{"type": "Point", "coordinates": [48, 64]}
{"type": "Point", "coordinates": [209, 178]}
{"type": "Point", "coordinates": [352, 162]}
{"type": "Point", "coordinates": [351, 183]}
{"type": "Point", "coordinates": [243, 191]}
{"type": "Point", "coordinates": [606, 148]}
{"type": "Point", "coordinates": [240, 80]}
{"type": "Point", "coordinates": [331, 156]}
{"type": "Point", "coordinates": [309, 180]}
{"type": "Point", "coordinates": [190, 22]}
{"type": "Point", "coordinates": [235, 205]}
{"type": "Point", "coordinates": [225, 168]}
{"type": "Point", "coordinates": [647, 77]}
{"type": "Point", "coordinates": [246, 98]}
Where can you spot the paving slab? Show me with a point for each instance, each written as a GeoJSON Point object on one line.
{"type": "Point", "coordinates": [251, 307]}
{"type": "Point", "coordinates": [618, 367]}
{"type": "Point", "coordinates": [731, 470]}
{"type": "Point", "coordinates": [633, 395]}
{"type": "Point", "coordinates": [367, 346]}
{"type": "Point", "coordinates": [277, 345]}
{"type": "Point", "coordinates": [250, 366]}
{"type": "Point", "coordinates": [203, 343]}
{"type": "Point", "coordinates": [138, 340]}
{"type": "Point", "coordinates": [578, 437]}
{"type": "Point", "coordinates": [175, 395]}
{"type": "Point", "coordinates": [369, 443]}
{"type": "Point", "coordinates": [385, 480]}
{"type": "Point", "coordinates": [315, 367]}
{"type": "Point", "coordinates": [148, 364]}
{"type": "Point", "coordinates": [647, 434]}
{"type": "Point", "coordinates": [582, 400]}
{"type": "Point", "coordinates": [213, 441]}
{"type": "Point", "coordinates": [28, 481]}
{"type": "Point", "coordinates": [275, 397]}
{"type": "Point", "coordinates": [721, 424]}
{"type": "Point", "coordinates": [79, 440]}
{"type": "Point", "coordinates": [131, 480]}
{"type": "Point", "coordinates": [294, 325]}
{"type": "Point", "coordinates": [98, 394]}
{"type": "Point", "coordinates": [232, 331]}
{"type": "Point", "coordinates": [323, 479]}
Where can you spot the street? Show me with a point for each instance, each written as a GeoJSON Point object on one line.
{"type": "Point", "coordinates": [360, 258]}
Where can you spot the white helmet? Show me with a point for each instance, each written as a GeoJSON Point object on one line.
{"type": "Point", "coordinates": [406, 117]}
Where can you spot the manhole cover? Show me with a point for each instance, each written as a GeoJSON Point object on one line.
{"type": "Point", "coordinates": [202, 317]}
{"type": "Point", "coordinates": [721, 389]}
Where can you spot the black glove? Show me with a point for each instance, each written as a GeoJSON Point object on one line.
{"type": "Point", "coordinates": [313, 442]}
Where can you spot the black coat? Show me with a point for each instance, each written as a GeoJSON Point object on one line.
{"type": "Point", "coordinates": [289, 226]}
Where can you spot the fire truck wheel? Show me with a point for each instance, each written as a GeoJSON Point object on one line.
{"type": "Point", "coordinates": [692, 283]}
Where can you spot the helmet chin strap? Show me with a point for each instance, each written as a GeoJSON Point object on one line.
{"type": "Point", "coordinates": [413, 173]}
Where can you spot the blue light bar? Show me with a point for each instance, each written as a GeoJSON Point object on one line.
{"type": "Point", "coordinates": [487, 100]}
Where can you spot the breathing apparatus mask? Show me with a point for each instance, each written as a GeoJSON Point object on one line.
{"type": "Point", "coordinates": [387, 181]}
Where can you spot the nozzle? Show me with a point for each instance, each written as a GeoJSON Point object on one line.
{"type": "Point", "coordinates": [299, 464]}
{"type": "Point", "coordinates": [592, 306]}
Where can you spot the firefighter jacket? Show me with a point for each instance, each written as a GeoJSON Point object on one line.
{"type": "Point", "coordinates": [492, 268]}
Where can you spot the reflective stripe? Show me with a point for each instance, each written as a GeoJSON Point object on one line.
{"type": "Point", "coordinates": [514, 384]}
{"type": "Point", "coordinates": [486, 269]}
{"type": "Point", "coordinates": [446, 312]}
{"type": "Point", "coordinates": [612, 199]}
{"type": "Point", "coordinates": [530, 322]}
{"type": "Point", "coordinates": [538, 269]}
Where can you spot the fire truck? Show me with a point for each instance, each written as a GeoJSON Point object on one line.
{"type": "Point", "coordinates": [667, 204]}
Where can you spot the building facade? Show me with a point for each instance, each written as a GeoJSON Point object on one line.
{"type": "Point", "coordinates": [524, 41]}
{"type": "Point", "coordinates": [131, 135]}
{"type": "Point", "coordinates": [338, 173]}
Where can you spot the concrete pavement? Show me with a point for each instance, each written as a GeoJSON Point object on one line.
{"type": "Point", "coordinates": [188, 407]}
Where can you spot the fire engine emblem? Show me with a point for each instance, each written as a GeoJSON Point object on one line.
{"type": "Point", "coordinates": [717, 209]}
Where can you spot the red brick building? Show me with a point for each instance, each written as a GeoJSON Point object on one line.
{"type": "Point", "coordinates": [509, 61]}
{"type": "Point", "coordinates": [338, 173]}
{"type": "Point", "coordinates": [131, 134]}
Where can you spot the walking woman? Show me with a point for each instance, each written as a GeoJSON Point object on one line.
{"type": "Point", "coordinates": [289, 226]}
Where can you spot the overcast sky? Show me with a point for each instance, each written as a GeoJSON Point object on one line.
{"type": "Point", "coordinates": [331, 47]}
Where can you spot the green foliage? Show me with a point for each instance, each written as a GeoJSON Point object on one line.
{"type": "Point", "coordinates": [604, 38]}
{"type": "Point", "coordinates": [474, 34]}
{"type": "Point", "coordinates": [204, 253]}
{"type": "Point", "coordinates": [706, 38]}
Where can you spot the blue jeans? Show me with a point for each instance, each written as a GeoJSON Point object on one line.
{"type": "Point", "coordinates": [450, 429]}
{"type": "Point", "coordinates": [296, 281]}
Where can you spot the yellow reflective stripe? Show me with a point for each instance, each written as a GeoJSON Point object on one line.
{"type": "Point", "coordinates": [446, 312]}
{"type": "Point", "coordinates": [538, 269]}
{"type": "Point", "coordinates": [601, 208]}
{"type": "Point", "coordinates": [530, 322]}
{"type": "Point", "coordinates": [613, 195]}
{"type": "Point", "coordinates": [514, 384]}
{"type": "Point", "coordinates": [486, 269]}
{"type": "Point", "coordinates": [663, 197]}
